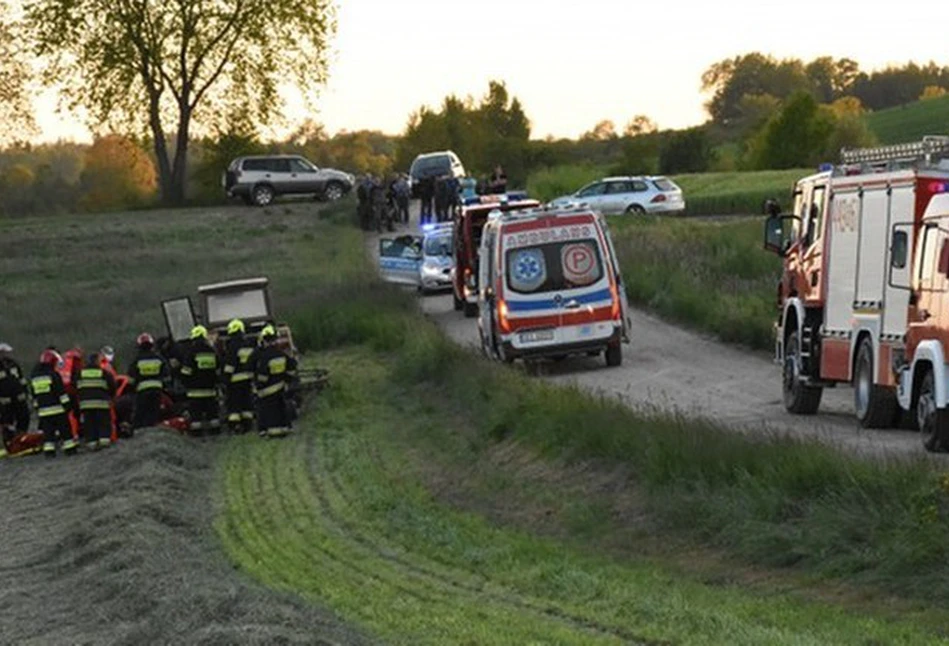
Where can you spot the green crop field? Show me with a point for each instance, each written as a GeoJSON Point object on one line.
{"type": "Point", "coordinates": [910, 122]}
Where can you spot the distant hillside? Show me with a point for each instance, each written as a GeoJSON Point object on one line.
{"type": "Point", "coordinates": [911, 121]}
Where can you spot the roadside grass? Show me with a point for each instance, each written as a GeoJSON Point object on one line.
{"type": "Point", "coordinates": [711, 275]}
{"type": "Point", "coordinates": [99, 279]}
{"type": "Point", "coordinates": [722, 193]}
{"type": "Point", "coordinates": [910, 122]}
{"type": "Point", "coordinates": [342, 513]}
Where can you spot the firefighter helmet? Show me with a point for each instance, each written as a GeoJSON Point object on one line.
{"type": "Point", "coordinates": [145, 340]}
{"type": "Point", "coordinates": [50, 357]}
{"type": "Point", "coordinates": [107, 352]}
{"type": "Point", "coordinates": [5, 347]}
{"type": "Point", "coordinates": [268, 334]}
{"type": "Point", "coordinates": [235, 326]}
{"type": "Point", "coordinates": [199, 332]}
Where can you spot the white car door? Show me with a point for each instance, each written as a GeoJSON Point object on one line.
{"type": "Point", "coordinates": [400, 260]}
{"type": "Point", "coordinates": [592, 195]}
{"type": "Point", "coordinates": [616, 196]}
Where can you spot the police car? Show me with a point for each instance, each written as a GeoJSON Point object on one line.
{"type": "Point", "coordinates": [424, 261]}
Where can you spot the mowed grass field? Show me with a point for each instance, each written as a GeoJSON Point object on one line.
{"type": "Point", "coordinates": [430, 497]}
{"type": "Point", "coordinates": [910, 122]}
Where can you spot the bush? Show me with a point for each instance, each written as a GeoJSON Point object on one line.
{"type": "Point", "coordinates": [118, 175]}
{"type": "Point", "coordinates": [550, 183]}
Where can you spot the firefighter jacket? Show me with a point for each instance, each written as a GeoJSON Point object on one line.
{"type": "Point", "coordinates": [49, 393]}
{"type": "Point", "coordinates": [96, 388]}
{"type": "Point", "coordinates": [239, 359]}
{"type": "Point", "coordinates": [13, 383]}
{"type": "Point", "coordinates": [149, 371]}
{"type": "Point", "coordinates": [275, 372]}
{"type": "Point", "coordinates": [200, 370]}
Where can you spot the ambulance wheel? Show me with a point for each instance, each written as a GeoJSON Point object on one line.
{"type": "Point", "coordinates": [471, 309]}
{"type": "Point", "coordinates": [875, 405]}
{"type": "Point", "coordinates": [457, 301]}
{"type": "Point", "coordinates": [927, 415]}
{"type": "Point", "coordinates": [614, 355]}
{"type": "Point", "coordinates": [799, 398]}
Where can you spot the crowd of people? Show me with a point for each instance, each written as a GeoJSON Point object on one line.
{"type": "Point", "coordinates": [440, 196]}
{"type": "Point", "coordinates": [76, 400]}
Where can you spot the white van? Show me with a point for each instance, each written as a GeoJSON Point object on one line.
{"type": "Point", "coordinates": [550, 286]}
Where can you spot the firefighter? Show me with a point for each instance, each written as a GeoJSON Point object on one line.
{"type": "Point", "coordinates": [96, 389]}
{"type": "Point", "coordinates": [275, 372]}
{"type": "Point", "coordinates": [200, 372]}
{"type": "Point", "coordinates": [239, 377]}
{"type": "Point", "coordinates": [148, 375]}
{"type": "Point", "coordinates": [14, 398]}
{"type": "Point", "coordinates": [52, 402]}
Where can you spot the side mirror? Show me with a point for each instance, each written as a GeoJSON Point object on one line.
{"type": "Point", "coordinates": [899, 274]}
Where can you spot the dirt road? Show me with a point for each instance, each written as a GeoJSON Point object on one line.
{"type": "Point", "coordinates": [670, 368]}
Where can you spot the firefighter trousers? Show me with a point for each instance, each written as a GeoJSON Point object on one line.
{"type": "Point", "coordinates": [56, 428]}
{"type": "Point", "coordinates": [15, 411]}
{"type": "Point", "coordinates": [97, 427]}
{"type": "Point", "coordinates": [272, 417]}
{"type": "Point", "coordinates": [240, 404]}
{"type": "Point", "coordinates": [147, 408]}
{"type": "Point", "coordinates": [205, 414]}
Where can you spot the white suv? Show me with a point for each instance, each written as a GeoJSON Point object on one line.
{"type": "Point", "coordinates": [260, 179]}
{"type": "Point", "coordinates": [631, 195]}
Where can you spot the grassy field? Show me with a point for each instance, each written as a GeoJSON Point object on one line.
{"type": "Point", "coordinates": [402, 503]}
{"type": "Point", "coordinates": [910, 122]}
{"type": "Point", "coordinates": [724, 193]}
{"type": "Point", "coordinates": [362, 523]}
{"type": "Point", "coordinates": [713, 276]}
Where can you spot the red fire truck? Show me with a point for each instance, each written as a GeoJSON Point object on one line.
{"type": "Point", "coordinates": [866, 260]}
{"type": "Point", "coordinates": [469, 222]}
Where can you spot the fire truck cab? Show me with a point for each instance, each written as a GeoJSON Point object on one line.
{"type": "Point", "coordinates": [469, 223]}
{"type": "Point", "coordinates": [866, 260]}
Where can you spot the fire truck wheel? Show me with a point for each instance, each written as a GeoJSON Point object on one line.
{"type": "Point", "coordinates": [799, 398]}
{"type": "Point", "coordinates": [614, 355]}
{"type": "Point", "coordinates": [875, 405]}
{"type": "Point", "coordinates": [927, 417]}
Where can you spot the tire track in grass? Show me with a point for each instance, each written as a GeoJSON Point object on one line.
{"type": "Point", "coordinates": [447, 575]}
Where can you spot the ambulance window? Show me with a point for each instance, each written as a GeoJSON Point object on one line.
{"type": "Point", "coordinates": [554, 266]}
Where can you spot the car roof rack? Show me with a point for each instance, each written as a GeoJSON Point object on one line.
{"type": "Point", "coordinates": [927, 152]}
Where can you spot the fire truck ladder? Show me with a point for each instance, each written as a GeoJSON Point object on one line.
{"type": "Point", "coordinates": [929, 150]}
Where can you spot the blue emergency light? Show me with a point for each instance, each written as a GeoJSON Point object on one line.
{"type": "Point", "coordinates": [826, 166]}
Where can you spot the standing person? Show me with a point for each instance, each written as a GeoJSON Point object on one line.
{"type": "Point", "coordinates": [402, 194]}
{"type": "Point", "coordinates": [96, 389]}
{"type": "Point", "coordinates": [148, 375]}
{"type": "Point", "coordinates": [51, 402]}
{"type": "Point", "coordinates": [200, 372]}
{"type": "Point", "coordinates": [239, 377]}
{"type": "Point", "coordinates": [441, 198]}
{"type": "Point", "coordinates": [498, 180]}
{"type": "Point", "coordinates": [426, 191]}
{"type": "Point", "coordinates": [275, 372]}
{"type": "Point", "coordinates": [14, 398]}
{"type": "Point", "coordinates": [364, 194]}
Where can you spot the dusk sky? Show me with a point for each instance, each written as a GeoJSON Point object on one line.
{"type": "Point", "coordinates": [573, 64]}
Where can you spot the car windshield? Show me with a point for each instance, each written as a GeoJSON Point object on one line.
{"type": "Point", "coordinates": [664, 185]}
{"type": "Point", "coordinates": [553, 267]}
{"type": "Point", "coordinates": [427, 164]}
{"type": "Point", "coordinates": [438, 245]}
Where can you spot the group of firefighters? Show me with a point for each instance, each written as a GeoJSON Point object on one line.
{"type": "Point", "coordinates": [256, 375]}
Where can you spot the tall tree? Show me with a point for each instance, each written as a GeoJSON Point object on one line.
{"type": "Point", "coordinates": [166, 66]}
{"type": "Point", "coordinates": [15, 112]}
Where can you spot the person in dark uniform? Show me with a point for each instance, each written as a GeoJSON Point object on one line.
{"type": "Point", "coordinates": [95, 387]}
{"type": "Point", "coordinates": [275, 372]}
{"type": "Point", "coordinates": [52, 402]}
{"type": "Point", "coordinates": [498, 181]}
{"type": "Point", "coordinates": [14, 398]}
{"type": "Point", "coordinates": [426, 192]}
{"type": "Point", "coordinates": [148, 375]}
{"type": "Point", "coordinates": [200, 372]}
{"type": "Point", "coordinates": [239, 377]}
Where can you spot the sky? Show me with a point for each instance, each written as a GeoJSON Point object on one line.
{"type": "Point", "coordinates": [573, 64]}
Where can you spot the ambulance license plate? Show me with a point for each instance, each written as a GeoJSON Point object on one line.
{"type": "Point", "coordinates": [537, 335]}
